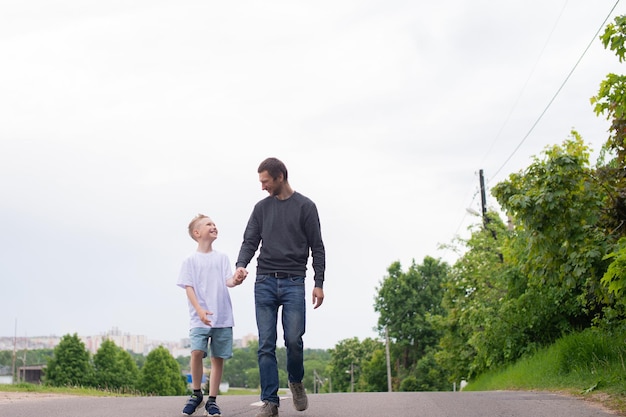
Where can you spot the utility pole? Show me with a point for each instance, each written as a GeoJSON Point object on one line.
{"type": "Point", "coordinates": [14, 353]}
{"type": "Point", "coordinates": [388, 359]}
{"type": "Point", "coordinates": [483, 201]}
{"type": "Point", "coordinates": [483, 197]}
{"type": "Point", "coordinates": [318, 382]}
{"type": "Point", "coordinates": [22, 375]}
{"type": "Point", "coordinates": [352, 377]}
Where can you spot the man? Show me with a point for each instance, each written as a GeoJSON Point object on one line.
{"type": "Point", "coordinates": [287, 226]}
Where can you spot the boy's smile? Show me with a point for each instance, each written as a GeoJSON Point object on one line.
{"type": "Point", "coordinates": [207, 229]}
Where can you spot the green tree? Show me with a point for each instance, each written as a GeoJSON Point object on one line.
{"type": "Point", "coordinates": [138, 358]}
{"type": "Point", "coordinates": [611, 101]}
{"type": "Point", "coordinates": [161, 374]}
{"type": "Point", "coordinates": [557, 205]}
{"type": "Point", "coordinates": [406, 302]}
{"type": "Point", "coordinates": [559, 201]}
{"type": "Point", "coordinates": [346, 362]}
{"type": "Point", "coordinates": [114, 368]}
{"type": "Point", "coordinates": [253, 378]}
{"type": "Point", "coordinates": [239, 370]}
{"type": "Point", "coordinates": [474, 289]}
{"type": "Point", "coordinates": [428, 375]}
{"type": "Point", "coordinates": [242, 369]}
{"type": "Point", "coordinates": [33, 357]}
{"type": "Point", "coordinates": [516, 290]}
{"type": "Point", "coordinates": [615, 276]}
{"type": "Point", "coordinates": [315, 363]}
{"type": "Point", "coordinates": [374, 373]}
{"type": "Point", "coordinates": [70, 364]}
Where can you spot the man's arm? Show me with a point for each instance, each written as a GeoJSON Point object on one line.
{"type": "Point", "coordinates": [318, 252]}
{"type": "Point", "coordinates": [251, 240]}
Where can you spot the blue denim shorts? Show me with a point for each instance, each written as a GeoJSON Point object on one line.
{"type": "Point", "coordinates": [219, 339]}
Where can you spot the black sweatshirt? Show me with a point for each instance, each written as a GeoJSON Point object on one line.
{"type": "Point", "coordinates": [287, 230]}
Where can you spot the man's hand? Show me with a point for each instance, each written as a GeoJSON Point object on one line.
{"type": "Point", "coordinates": [318, 297]}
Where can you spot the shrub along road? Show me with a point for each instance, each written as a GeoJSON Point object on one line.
{"type": "Point", "coordinates": [414, 404]}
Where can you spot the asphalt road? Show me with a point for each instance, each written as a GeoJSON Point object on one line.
{"type": "Point", "coordinates": [420, 404]}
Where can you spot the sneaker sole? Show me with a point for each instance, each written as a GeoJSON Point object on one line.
{"type": "Point", "coordinates": [301, 408]}
{"type": "Point", "coordinates": [304, 399]}
{"type": "Point", "coordinates": [206, 413]}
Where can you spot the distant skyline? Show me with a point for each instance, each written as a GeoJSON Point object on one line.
{"type": "Point", "coordinates": [123, 120]}
{"type": "Point", "coordinates": [136, 343]}
{"type": "Point", "coordinates": [111, 331]}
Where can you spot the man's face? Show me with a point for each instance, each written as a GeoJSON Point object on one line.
{"type": "Point", "coordinates": [269, 184]}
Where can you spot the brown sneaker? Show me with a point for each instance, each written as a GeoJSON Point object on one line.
{"type": "Point", "coordinates": [268, 409]}
{"type": "Point", "coordinates": [300, 401]}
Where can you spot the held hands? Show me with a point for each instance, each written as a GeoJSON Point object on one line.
{"type": "Point", "coordinates": [240, 276]}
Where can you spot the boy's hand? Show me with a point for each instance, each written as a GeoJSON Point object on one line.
{"type": "Point", "coordinates": [205, 317]}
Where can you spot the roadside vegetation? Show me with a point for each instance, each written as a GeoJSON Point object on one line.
{"type": "Point", "coordinates": [590, 365]}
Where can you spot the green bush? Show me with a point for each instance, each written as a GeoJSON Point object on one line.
{"type": "Point", "coordinates": [161, 374]}
{"type": "Point", "coordinates": [70, 364]}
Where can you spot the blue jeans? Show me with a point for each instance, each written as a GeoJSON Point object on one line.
{"type": "Point", "coordinates": [269, 294]}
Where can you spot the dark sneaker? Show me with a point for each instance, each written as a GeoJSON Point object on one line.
{"type": "Point", "coordinates": [268, 410]}
{"type": "Point", "coordinates": [300, 401]}
{"type": "Point", "coordinates": [193, 403]}
{"type": "Point", "coordinates": [212, 410]}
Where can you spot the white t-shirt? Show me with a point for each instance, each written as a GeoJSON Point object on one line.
{"type": "Point", "coordinates": [207, 274]}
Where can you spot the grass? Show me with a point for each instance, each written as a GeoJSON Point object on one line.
{"type": "Point", "coordinates": [589, 365]}
{"type": "Point", "coordinates": [26, 387]}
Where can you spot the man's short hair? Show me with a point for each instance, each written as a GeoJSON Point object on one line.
{"type": "Point", "coordinates": [274, 167]}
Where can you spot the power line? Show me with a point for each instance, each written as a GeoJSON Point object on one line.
{"type": "Point", "coordinates": [593, 39]}
{"type": "Point", "coordinates": [547, 106]}
{"type": "Point", "coordinates": [521, 93]}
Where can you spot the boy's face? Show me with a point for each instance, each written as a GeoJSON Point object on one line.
{"type": "Point", "coordinates": [269, 184]}
{"type": "Point", "coordinates": [205, 229]}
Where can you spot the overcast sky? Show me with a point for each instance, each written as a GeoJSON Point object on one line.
{"type": "Point", "coordinates": [120, 121]}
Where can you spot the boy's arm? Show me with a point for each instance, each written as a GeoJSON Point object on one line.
{"type": "Point", "coordinates": [202, 313]}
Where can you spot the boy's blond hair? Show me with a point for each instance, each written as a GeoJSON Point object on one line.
{"type": "Point", "coordinates": [192, 224]}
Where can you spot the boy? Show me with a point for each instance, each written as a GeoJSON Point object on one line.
{"type": "Point", "coordinates": [205, 276]}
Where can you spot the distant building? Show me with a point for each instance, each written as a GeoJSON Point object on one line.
{"type": "Point", "coordinates": [244, 341]}
{"type": "Point", "coordinates": [30, 374]}
{"type": "Point", "coordinates": [139, 344]}
{"type": "Point", "coordinates": [131, 343]}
